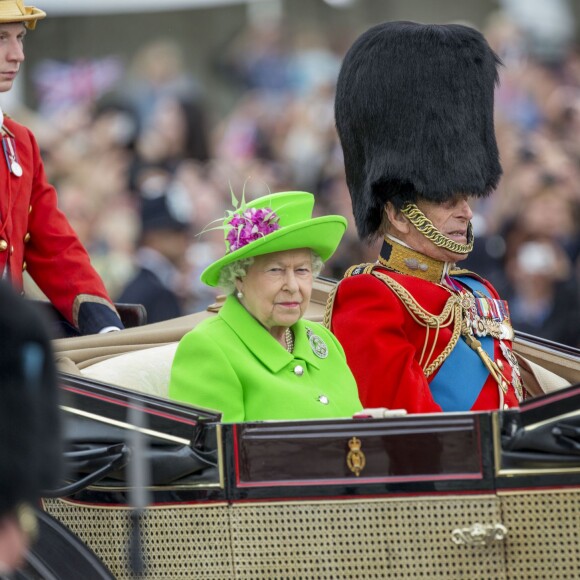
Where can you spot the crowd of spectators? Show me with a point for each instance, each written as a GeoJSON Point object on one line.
{"type": "Point", "coordinates": [155, 133]}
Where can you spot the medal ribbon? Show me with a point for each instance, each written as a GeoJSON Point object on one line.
{"type": "Point", "coordinates": [10, 154]}
{"type": "Point", "coordinates": [9, 148]}
{"type": "Point", "coordinates": [485, 305]}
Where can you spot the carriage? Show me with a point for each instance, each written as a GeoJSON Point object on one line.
{"type": "Point", "coordinates": [160, 489]}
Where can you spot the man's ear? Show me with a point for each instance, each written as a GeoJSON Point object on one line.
{"type": "Point", "coordinates": [398, 222]}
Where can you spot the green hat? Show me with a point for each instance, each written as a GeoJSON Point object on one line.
{"type": "Point", "coordinates": [274, 223]}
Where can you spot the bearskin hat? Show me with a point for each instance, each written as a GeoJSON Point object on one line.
{"type": "Point", "coordinates": [414, 113]}
{"type": "Point", "coordinates": [30, 448]}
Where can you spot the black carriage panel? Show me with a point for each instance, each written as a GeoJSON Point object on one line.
{"type": "Point", "coordinates": [180, 446]}
{"type": "Point", "coordinates": [427, 453]}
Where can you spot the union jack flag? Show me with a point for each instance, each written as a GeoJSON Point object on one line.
{"type": "Point", "coordinates": [63, 84]}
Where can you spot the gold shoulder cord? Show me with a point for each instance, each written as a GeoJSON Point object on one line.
{"type": "Point", "coordinates": [329, 306]}
{"type": "Point", "coordinates": [451, 315]}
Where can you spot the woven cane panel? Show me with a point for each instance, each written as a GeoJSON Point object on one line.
{"type": "Point", "coordinates": [366, 539]}
{"type": "Point", "coordinates": [543, 530]}
{"type": "Point", "coordinates": [179, 542]}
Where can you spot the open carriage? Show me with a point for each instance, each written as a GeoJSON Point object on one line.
{"type": "Point", "coordinates": [456, 495]}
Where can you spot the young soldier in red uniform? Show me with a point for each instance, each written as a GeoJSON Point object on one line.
{"type": "Point", "coordinates": [34, 234]}
{"type": "Point", "coordinates": [414, 112]}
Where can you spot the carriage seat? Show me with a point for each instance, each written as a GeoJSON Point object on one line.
{"type": "Point", "coordinates": [145, 370]}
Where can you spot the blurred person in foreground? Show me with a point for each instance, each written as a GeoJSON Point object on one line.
{"type": "Point", "coordinates": [258, 359]}
{"type": "Point", "coordinates": [30, 444]}
{"type": "Point", "coordinates": [414, 113]}
{"type": "Point", "coordinates": [159, 258]}
{"type": "Point", "coordinates": [34, 234]}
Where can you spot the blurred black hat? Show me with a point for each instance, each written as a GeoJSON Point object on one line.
{"type": "Point", "coordinates": [414, 113]}
{"type": "Point", "coordinates": [166, 210]}
{"type": "Point", "coordinates": [30, 444]}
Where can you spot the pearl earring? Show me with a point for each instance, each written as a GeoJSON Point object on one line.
{"type": "Point", "coordinates": [240, 295]}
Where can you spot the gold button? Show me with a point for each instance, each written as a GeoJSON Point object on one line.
{"type": "Point", "coordinates": [27, 237]}
{"type": "Point", "coordinates": [3, 245]}
{"type": "Point", "coordinates": [23, 266]}
{"type": "Point", "coordinates": [29, 209]}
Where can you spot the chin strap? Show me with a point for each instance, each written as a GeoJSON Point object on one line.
{"type": "Point", "coordinates": [426, 227]}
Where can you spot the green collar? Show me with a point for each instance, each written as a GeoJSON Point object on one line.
{"type": "Point", "coordinates": [261, 343]}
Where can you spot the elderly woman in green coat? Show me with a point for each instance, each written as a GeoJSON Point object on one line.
{"type": "Point", "coordinates": [258, 359]}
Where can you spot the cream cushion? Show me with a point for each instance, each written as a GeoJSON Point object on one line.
{"type": "Point", "coordinates": [145, 370]}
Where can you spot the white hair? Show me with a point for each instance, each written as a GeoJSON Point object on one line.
{"type": "Point", "coordinates": [239, 269]}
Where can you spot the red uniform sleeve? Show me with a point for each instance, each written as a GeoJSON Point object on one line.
{"type": "Point", "coordinates": [55, 257]}
{"type": "Point", "coordinates": [372, 325]}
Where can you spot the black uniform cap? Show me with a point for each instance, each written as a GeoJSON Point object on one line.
{"type": "Point", "coordinates": [414, 113]}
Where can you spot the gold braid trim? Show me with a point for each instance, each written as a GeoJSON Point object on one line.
{"type": "Point", "coordinates": [451, 314]}
{"type": "Point", "coordinates": [329, 307]}
{"type": "Point", "coordinates": [426, 227]}
{"type": "Point", "coordinates": [415, 309]}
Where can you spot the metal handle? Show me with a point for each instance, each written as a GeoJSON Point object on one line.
{"type": "Point", "coordinates": [479, 535]}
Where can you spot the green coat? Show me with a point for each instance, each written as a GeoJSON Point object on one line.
{"type": "Point", "coordinates": [231, 363]}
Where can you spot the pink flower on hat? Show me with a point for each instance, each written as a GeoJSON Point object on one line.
{"type": "Point", "coordinates": [250, 225]}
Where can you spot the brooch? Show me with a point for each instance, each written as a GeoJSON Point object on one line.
{"type": "Point", "coordinates": [317, 345]}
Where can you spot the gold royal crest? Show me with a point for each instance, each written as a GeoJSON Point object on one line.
{"type": "Point", "coordinates": [355, 459]}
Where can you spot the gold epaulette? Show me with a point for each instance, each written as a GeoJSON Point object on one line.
{"type": "Point", "coordinates": [365, 268]}
{"type": "Point", "coordinates": [455, 271]}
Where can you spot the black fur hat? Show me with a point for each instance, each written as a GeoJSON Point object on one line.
{"type": "Point", "coordinates": [414, 113]}
{"type": "Point", "coordinates": [30, 448]}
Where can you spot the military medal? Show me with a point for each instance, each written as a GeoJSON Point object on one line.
{"type": "Point", "coordinates": [9, 146]}
{"type": "Point", "coordinates": [317, 345]}
{"type": "Point", "coordinates": [16, 168]}
{"type": "Point", "coordinates": [484, 316]}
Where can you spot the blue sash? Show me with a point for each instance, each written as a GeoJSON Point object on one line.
{"type": "Point", "coordinates": [461, 377]}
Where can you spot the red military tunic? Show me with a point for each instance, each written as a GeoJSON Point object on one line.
{"type": "Point", "coordinates": [36, 236]}
{"type": "Point", "coordinates": [390, 351]}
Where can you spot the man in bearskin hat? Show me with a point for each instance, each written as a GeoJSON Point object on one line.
{"type": "Point", "coordinates": [414, 113]}
{"type": "Point", "coordinates": [30, 444]}
{"type": "Point", "coordinates": [35, 236]}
